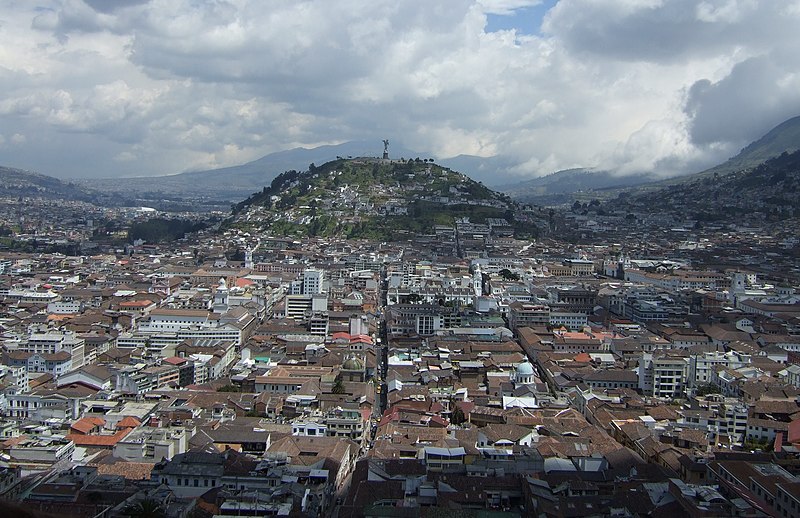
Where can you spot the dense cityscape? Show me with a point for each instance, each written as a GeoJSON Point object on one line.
{"type": "Point", "coordinates": [381, 259]}
{"type": "Point", "coordinates": [617, 364]}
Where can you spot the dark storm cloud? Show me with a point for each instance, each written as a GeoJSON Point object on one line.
{"type": "Point", "coordinates": [758, 94]}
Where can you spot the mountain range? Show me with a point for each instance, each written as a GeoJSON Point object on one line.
{"type": "Point", "coordinates": [236, 182]}
{"type": "Point", "coordinates": [564, 187]}
{"type": "Point", "coordinates": [230, 184]}
{"type": "Point", "coordinates": [217, 188]}
{"type": "Point", "coordinates": [19, 182]}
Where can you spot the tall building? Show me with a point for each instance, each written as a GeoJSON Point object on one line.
{"type": "Point", "coordinates": [312, 282]}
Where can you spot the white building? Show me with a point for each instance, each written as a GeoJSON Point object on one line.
{"type": "Point", "coordinates": [309, 428]}
{"type": "Point", "coordinates": [146, 444]}
{"type": "Point", "coordinates": [312, 282]}
{"type": "Point", "coordinates": [663, 374]}
{"type": "Point", "coordinates": [44, 341]}
{"type": "Point", "coordinates": [703, 366]}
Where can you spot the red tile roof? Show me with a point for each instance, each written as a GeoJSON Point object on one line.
{"type": "Point", "coordinates": [136, 303]}
{"type": "Point", "coordinates": [128, 422]}
{"type": "Point", "coordinates": [98, 440]}
{"type": "Point", "coordinates": [85, 425]}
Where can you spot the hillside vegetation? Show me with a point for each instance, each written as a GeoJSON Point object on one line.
{"type": "Point", "coordinates": [770, 191]}
{"type": "Point", "coordinates": [18, 182]}
{"type": "Point", "coordinates": [369, 198]}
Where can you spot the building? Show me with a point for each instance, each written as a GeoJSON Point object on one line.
{"type": "Point", "coordinates": [664, 374]}
{"type": "Point", "coordinates": [146, 444]}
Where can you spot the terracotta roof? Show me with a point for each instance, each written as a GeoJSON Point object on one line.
{"type": "Point", "coordinates": [128, 470]}
{"type": "Point", "coordinates": [98, 440]}
{"type": "Point", "coordinates": [128, 422]}
{"type": "Point", "coordinates": [85, 425]}
{"type": "Point", "coordinates": [136, 303]}
{"type": "Point", "coordinates": [60, 317]}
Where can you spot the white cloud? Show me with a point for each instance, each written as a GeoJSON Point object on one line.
{"type": "Point", "coordinates": [161, 86]}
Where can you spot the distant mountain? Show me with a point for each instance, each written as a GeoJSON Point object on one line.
{"type": "Point", "coordinates": [493, 171]}
{"type": "Point", "coordinates": [561, 187]}
{"type": "Point", "coordinates": [236, 182]}
{"type": "Point", "coordinates": [785, 137]}
{"type": "Point", "coordinates": [564, 187]}
{"type": "Point", "coordinates": [19, 182]}
{"type": "Point", "coordinates": [219, 187]}
{"type": "Point", "coordinates": [769, 191]}
{"type": "Point", "coordinates": [370, 198]}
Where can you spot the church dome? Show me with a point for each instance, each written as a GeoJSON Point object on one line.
{"type": "Point", "coordinates": [524, 369]}
{"type": "Point", "coordinates": [353, 364]}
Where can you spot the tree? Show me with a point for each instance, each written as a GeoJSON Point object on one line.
{"type": "Point", "coordinates": [148, 508]}
{"type": "Point", "coordinates": [704, 390]}
{"type": "Point", "coordinates": [457, 417]}
{"type": "Point", "coordinates": [338, 385]}
{"type": "Point", "coordinates": [508, 275]}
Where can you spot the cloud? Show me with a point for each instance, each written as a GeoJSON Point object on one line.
{"type": "Point", "coordinates": [671, 31]}
{"type": "Point", "coordinates": [506, 7]}
{"type": "Point", "coordinates": [162, 86]}
{"type": "Point", "coordinates": [758, 94]}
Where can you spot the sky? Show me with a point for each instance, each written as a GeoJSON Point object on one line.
{"type": "Point", "coordinates": [102, 88]}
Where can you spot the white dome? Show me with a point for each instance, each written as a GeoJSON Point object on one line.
{"type": "Point", "coordinates": [524, 369]}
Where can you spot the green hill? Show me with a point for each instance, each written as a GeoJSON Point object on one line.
{"type": "Point", "coordinates": [768, 191]}
{"type": "Point", "coordinates": [18, 182]}
{"type": "Point", "coordinates": [370, 198]}
{"type": "Point", "coordinates": [785, 137]}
